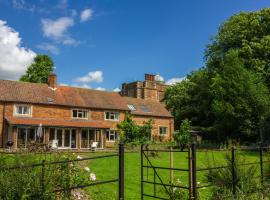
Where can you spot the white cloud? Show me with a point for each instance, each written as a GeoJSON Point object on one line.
{"type": "Point", "coordinates": [86, 15]}
{"type": "Point", "coordinates": [14, 58]}
{"type": "Point", "coordinates": [100, 88]}
{"type": "Point", "coordinates": [58, 29]}
{"type": "Point", "coordinates": [62, 4]}
{"type": "Point", "coordinates": [22, 5]}
{"type": "Point", "coordinates": [173, 81]}
{"type": "Point", "coordinates": [116, 90]}
{"type": "Point", "coordinates": [96, 76]}
{"type": "Point", "coordinates": [48, 47]}
{"type": "Point", "coordinates": [83, 85]}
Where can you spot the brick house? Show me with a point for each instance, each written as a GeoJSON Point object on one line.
{"type": "Point", "coordinates": [74, 116]}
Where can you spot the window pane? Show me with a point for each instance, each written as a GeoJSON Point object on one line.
{"type": "Point", "coordinates": [107, 135]}
{"type": "Point", "coordinates": [112, 116]}
{"type": "Point", "coordinates": [80, 115]}
{"type": "Point", "coordinates": [117, 115]}
{"type": "Point", "coordinates": [84, 139]}
{"type": "Point", "coordinates": [74, 113]}
{"type": "Point", "coordinates": [107, 115]}
{"type": "Point", "coordinates": [112, 136]}
{"type": "Point", "coordinates": [52, 135]}
{"type": "Point", "coordinates": [26, 110]}
{"type": "Point", "coordinates": [20, 110]}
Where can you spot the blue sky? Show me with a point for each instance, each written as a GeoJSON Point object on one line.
{"type": "Point", "coordinates": [103, 43]}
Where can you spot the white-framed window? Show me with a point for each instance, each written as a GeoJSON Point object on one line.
{"type": "Point", "coordinates": [111, 135]}
{"type": "Point", "coordinates": [79, 114]}
{"type": "Point", "coordinates": [163, 130]}
{"type": "Point", "coordinates": [23, 110]}
{"type": "Point", "coordinates": [113, 116]}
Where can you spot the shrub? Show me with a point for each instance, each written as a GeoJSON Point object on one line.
{"type": "Point", "coordinates": [38, 182]}
{"type": "Point", "coordinates": [246, 179]}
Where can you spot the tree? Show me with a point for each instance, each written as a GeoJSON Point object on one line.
{"type": "Point", "coordinates": [183, 136]}
{"type": "Point", "coordinates": [229, 96]}
{"type": "Point", "coordinates": [240, 99]}
{"type": "Point", "coordinates": [189, 99]}
{"type": "Point", "coordinates": [131, 132]}
{"type": "Point", "coordinates": [39, 70]}
{"type": "Point", "coordinates": [248, 33]}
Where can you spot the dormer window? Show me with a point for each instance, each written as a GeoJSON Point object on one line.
{"type": "Point", "coordinates": [79, 114]}
{"type": "Point", "coordinates": [23, 110]}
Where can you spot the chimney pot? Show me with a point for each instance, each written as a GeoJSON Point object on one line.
{"type": "Point", "coordinates": [149, 77]}
{"type": "Point", "coordinates": [52, 81]}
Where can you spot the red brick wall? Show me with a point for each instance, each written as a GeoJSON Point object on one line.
{"type": "Point", "coordinates": [157, 122]}
{"type": "Point", "coordinates": [1, 123]}
{"type": "Point", "coordinates": [61, 112]}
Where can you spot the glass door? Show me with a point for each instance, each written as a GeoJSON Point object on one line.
{"type": "Point", "coordinates": [84, 139]}
{"type": "Point", "coordinates": [73, 138]}
{"type": "Point", "coordinates": [67, 138]}
{"type": "Point", "coordinates": [21, 138]}
{"type": "Point", "coordinates": [99, 138]}
{"type": "Point", "coordinates": [59, 137]}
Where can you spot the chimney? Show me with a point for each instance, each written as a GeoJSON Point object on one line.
{"type": "Point", "coordinates": [149, 77]}
{"type": "Point", "coordinates": [52, 81]}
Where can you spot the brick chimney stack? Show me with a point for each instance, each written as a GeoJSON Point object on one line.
{"type": "Point", "coordinates": [149, 77]}
{"type": "Point", "coordinates": [52, 81]}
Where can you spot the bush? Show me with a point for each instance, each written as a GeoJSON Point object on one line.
{"type": "Point", "coordinates": [40, 182]}
{"type": "Point", "coordinates": [246, 180]}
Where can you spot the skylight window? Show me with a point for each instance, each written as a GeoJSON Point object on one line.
{"type": "Point", "coordinates": [144, 108]}
{"type": "Point", "coordinates": [131, 107]}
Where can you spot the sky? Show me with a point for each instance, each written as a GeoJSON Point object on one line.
{"type": "Point", "coordinates": [101, 44]}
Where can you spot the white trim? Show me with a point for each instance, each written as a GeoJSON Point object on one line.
{"type": "Point", "coordinates": [114, 120]}
{"type": "Point", "coordinates": [163, 126]}
{"type": "Point", "coordinates": [77, 109]}
{"type": "Point", "coordinates": [115, 133]}
{"type": "Point", "coordinates": [22, 115]}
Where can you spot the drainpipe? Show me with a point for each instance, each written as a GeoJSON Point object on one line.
{"type": "Point", "coordinates": [3, 126]}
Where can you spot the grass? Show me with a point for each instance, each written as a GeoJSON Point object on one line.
{"type": "Point", "coordinates": [107, 168]}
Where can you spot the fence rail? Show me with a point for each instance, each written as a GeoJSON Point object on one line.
{"type": "Point", "coordinates": [120, 178]}
{"type": "Point", "coordinates": [193, 170]}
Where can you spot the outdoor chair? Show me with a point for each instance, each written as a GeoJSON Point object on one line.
{"type": "Point", "coordinates": [53, 144]}
{"type": "Point", "coordinates": [94, 146]}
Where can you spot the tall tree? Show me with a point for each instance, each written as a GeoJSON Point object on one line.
{"type": "Point", "coordinates": [240, 99]}
{"type": "Point", "coordinates": [39, 70]}
{"type": "Point", "coordinates": [249, 34]}
{"type": "Point", "coordinates": [229, 97]}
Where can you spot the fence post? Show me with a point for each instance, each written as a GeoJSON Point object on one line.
{"type": "Point", "coordinates": [142, 172]}
{"type": "Point", "coordinates": [261, 163]}
{"type": "Point", "coordinates": [233, 171]}
{"type": "Point", "coordinates": [189, 173]}
{"type": "Point", "coordinates": [121, 171]}
{"type": "Point", "coordinates": [42, 177]}
{"type": "Point", "coordinates": [194, 181]}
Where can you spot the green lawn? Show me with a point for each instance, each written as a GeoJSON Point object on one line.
{"type": "Point", "coordinates": [107, 168]}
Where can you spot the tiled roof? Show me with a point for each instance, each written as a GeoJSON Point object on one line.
{"type": "Point", "coordinates": [15, 91]}
{"type": "Point", "coordinates": [57, 122]}
{"type": "Point", "coordinates": [147, 107]}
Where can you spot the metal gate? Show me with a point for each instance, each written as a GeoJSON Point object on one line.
{"type": "Point", "coordinates": [155, 184]}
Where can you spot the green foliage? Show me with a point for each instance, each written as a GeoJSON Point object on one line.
{"type": "Point", "coordinates": [248, 33]}
{"type": "Point", "coordinates": [183, 136]}
{"type": "Point", "coordinates": [131, 132]}
{"type": "Point", "coordinates": [240, 99]}
{"type": "Point", "coordinates": [246, 179]}
{"type": "Point", "coordinates": [229, 97]}
{"type": "Point", "coordinates": [39, 70]}
{"type": "Point", "coordinates": [38, 182]}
